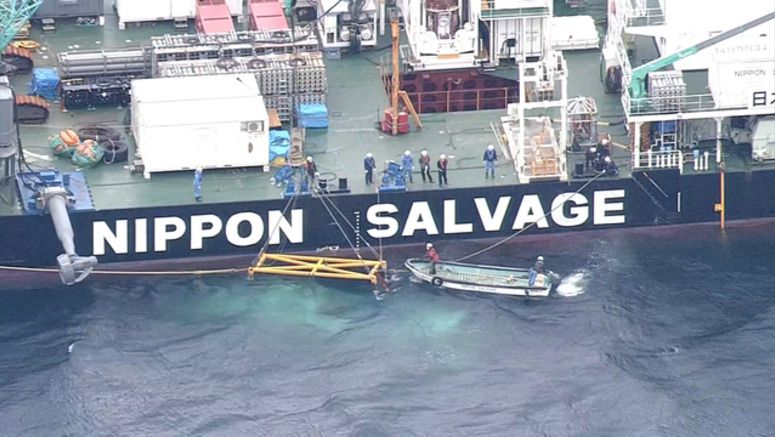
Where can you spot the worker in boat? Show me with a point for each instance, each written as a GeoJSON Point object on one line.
{"type": "Point", "coordinates": [433, 256]}
{"type": "Point", "coordinates": [312, 169]}
{"type": "Point", "coordinates": [442, 165]}
{"type": "Point", "coordinates": [490, 159]}
{"type": "Point", "coordinates": [368, 167]}
{"type": "Point", "coordinates": [407, 165]}
{"type": "Point", "coordinates": [425, 166]}
{"type": "Point", "coordinates": [537, 268]}
{"type": "Point", "coordinates": [589, 158]}
{"type": "Point", "coordinates": [198, 184]}
{"type": "Point", "coordinates": [610, 167]}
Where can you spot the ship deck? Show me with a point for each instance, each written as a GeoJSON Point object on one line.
{"type": "Point", "coordinates": [355, 100]}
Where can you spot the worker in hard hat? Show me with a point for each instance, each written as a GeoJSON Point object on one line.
{"type": "Point", "coordinates": [368, 167]}
{"type": "Point", "coordinates": [425, 166]}
{"type": "Point", "coordinates": [433, 256]}
{"type": "Point", "coordinates": [407, 165]}
{"type": "Point", "coordinates": [538, 268]}
{"type": "Point", "coordinates": [442, 165]}
{"type": "Point", "coordinates": [312, 169]}
{"type": "Point", "coordinates": [490, 159]}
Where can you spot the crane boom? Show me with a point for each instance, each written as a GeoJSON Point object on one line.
{"type": "Point", "coordinates": [639, 75]}
{"type": "Point", "coordinates": [13, 15]}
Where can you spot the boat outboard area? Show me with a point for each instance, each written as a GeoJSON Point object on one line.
{"type": "Point", "coordinates": [179, 140]}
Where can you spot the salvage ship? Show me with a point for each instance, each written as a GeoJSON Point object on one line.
{"type": "Point", "coordinates": [191, 137]}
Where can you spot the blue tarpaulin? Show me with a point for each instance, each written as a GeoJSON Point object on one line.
{"type": "Point", "coordinates": [312, 116]}
{"type": "Point", "coordinates": [45, 82]}
{"type": "Point", "coordinates": [279, 144]}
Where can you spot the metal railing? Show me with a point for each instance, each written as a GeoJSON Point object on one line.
{"type": "Point", "coordinates": [533, 8]}
{"type": "Point", "coordinates": [659, 160]}
{"type": "Point", "coordinates": [667, 105]}
{"type": "Point", "coordinates": [463, 100]}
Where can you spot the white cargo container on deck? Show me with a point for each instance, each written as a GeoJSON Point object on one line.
{"type": "Point", "coordinates": [138, 11]}
{"type": "Point", "coordinates": [202, 121]}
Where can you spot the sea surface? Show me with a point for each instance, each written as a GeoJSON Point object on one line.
{"type": "Point", "coordinates": [652, 332]}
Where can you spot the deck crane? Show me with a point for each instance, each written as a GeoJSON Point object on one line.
{"type": "Point", "coordinates": [640, 74]}
{"type": "Point", "coordinates": [391, 121]}
{"type": "Point", "coordinates": [13, 15]}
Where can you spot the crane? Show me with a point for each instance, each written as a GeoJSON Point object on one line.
{"type": "Point", "coordinates": [13, 15]}
{"type": "Point", "coordinates": [639, 75]}
{"type": "Point", "coordinates": [391, 122]}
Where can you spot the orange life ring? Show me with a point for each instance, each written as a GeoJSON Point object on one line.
{"type": "Point", "coordinates": [69, 137]}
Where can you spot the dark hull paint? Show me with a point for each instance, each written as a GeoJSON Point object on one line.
{"type": "Point", "coordinates": [649, 200]}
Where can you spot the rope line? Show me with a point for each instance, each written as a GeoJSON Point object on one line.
{"type": "Point", "coordinates": [516, 234]}
{"type": "Point", "coordinates": [133, 272]}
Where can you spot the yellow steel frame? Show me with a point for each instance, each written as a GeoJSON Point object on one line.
{"type": "Point", "coordinates": [319, 267]}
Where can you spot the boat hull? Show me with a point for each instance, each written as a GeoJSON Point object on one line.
{"type": "Point", "coordinates": [244, 228]}
{"type": "Point", "coordinates": [513, 281]}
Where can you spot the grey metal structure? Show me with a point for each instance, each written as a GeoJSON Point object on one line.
{"type": "Point", "coordinates": [70, 9]}
{"type": "Point", "coordinates": [85, 63]}
{"type": "Point", "coordinates": [8, 143]}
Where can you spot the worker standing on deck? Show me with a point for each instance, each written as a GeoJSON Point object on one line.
{"type": "Point", "coordinates": [407, 165]}
{"type": "Point", "coordinates": [589, 158]}
{"type": "Point", "coordinates": [537, 268]}
{"type": "Point", "coordinates": [312, 169]}
{"type": "Point", "coordinates": [425, 166]}
{"type": "Point", "coordinates": [490, 158]}
{"type": "Point", "coordinates": [432, 256]}
{"type": "Point", "coordinates": [198, 184]}
{"type": "Point", "coordinates": [441, 165]}
{"type": "Point", "coordinates": [368, 166]}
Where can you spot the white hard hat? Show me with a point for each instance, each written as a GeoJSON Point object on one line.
{"type": "Point", "coordinates": [540, 258]}
{"type": "Point", "coordinates": [490, 147]}
{"type": "Point", "coordinates": [199, 169]}
{"type": "Point", "coordinates": [309, 158]}
{"type": "Point", "coordinates": [607, 159]}
{"type": "Point", "coordinates": [428, 245]}
{"type": "Point", "coordinates": [369, 155]}
{"type": "Point", "coordinates": [605, 141]}
{"type": "Point", "coordinates": [407, 153]}
{"type": "Point", "coordinates": [443, 156]}
{"type": "Point", "coordinates": [593, 149]}
{"type": "Point", "coordinates": [424, 153]}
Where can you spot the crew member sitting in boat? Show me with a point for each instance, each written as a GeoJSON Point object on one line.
{"type": "Point", "coordinates": [537, 268]}
{"type": "Point", "coordinates": [432, 256]}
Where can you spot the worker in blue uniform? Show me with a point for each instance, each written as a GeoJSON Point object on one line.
{"type": "Point", "coordinates": [198, 184]}
{"type": "Point", "coordinates": [407, 166]}
{"type": "Point", "coordinates": [368, 167]}
{"type": "Point", "coordinates": [490, 159]}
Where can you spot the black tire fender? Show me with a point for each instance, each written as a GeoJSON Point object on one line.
{"type": "Point", "coordinates": [437, 281]}
{"type": "Point", "coordinates": [115, 151]}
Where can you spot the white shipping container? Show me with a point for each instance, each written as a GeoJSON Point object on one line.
{"type": "Point", "coordinates": [733, 84]}
{"type": "Point", "coordinates": [131, 11]}
{"type": "Point", "coordinates": [202, 121]}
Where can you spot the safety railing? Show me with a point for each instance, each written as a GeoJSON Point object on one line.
{"type": "Point", "coordinates": [667, 105]}
{"type": "Point", "coordinates": [493, 9]}
{"type": "Point", "coordinates": [463, 100]}
{"type": "Point", "coordinates": [659, 160]}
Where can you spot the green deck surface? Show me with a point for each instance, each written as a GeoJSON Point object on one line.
{"type": "Point", "coordinates": [355, 99]}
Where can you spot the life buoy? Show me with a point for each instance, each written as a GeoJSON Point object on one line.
{"type": "Point", "coordinates": [437, 281]}
{"type": "Point", "coordinates": [69, 137]}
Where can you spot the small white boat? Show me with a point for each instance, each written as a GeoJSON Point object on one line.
{"type": "Point", "coordinates": [482, 278]}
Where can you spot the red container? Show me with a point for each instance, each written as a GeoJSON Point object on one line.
{"type": "Point", "coordinates": [213, 16]}
{"type": "Point", "coordinates": [267, 15]}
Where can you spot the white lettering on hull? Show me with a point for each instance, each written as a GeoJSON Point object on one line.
{"type": "Point", "coordinates": [198, 229]}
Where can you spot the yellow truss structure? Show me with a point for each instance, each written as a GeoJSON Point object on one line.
{"type": "Point", "coordinates": [319, 267]}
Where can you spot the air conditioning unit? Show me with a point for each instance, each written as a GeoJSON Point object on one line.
{"type": "Point", "coordinates": [253, 127]}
